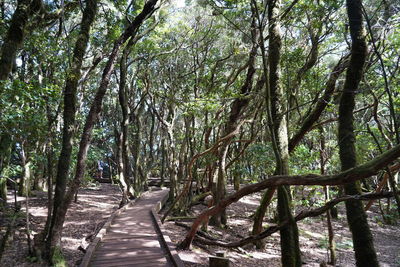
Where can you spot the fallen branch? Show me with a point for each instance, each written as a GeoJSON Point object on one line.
{"type": "Point", "coordinates": [181, 218]}
{"type": "Point", "coordinates": [382, 184]}
{"type": "Point", "coordinates": [199, 233]}
{"type": "Point", "coordinates": [197, 199]}
{"type": "Point", "coordinates": [302, 215]}
{"type": "Point", "coordinates": [351, 175]}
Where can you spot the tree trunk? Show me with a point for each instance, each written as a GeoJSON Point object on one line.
{"type": "Point", "coordinates": [220, 190]}
{"type": "Point", "coordinates": [331, 240]}
{"type": "Point", "coordinates": [172, 168]}
{"type": "Point", "coordinates": [365, 170]}
{"type": "Point", "coordinates": [15, 35]}
{"type": "Point", "coordinates": [53, 240]}
{"type": "Point", "coordinates": [123, 181]}
{"type": "Point", "coordinates": [316, 112]}
{"type": "Point", "coordinates": [124, 166]}
{"type": "Point", "coordinates": [3, 191]}
{"type": "Point", "coordinates": [152, 133]}
{"type": "Point", "coordinates": [5, 153]}
{"type": "Point", "coordinates": [24, 184]}
{"type": "Point", "coordinates": [290, 249]}
{"type": "Point", "coordinates": [362, 239]}
{"type": "Point", "coordinates": [232, 126]}
{"type": "Point", "coordinates": [163, 157]}
{"type": "Point", "coordinates": [259, 216]}
{"type": "Point", "coordinates": [70, 92]}
{"type": "Point", "coordinates": [139, 180]}
{"type": "Point", "coordinates": [49, 175]}
{"type": "Point", "coordinates": [38, 180]}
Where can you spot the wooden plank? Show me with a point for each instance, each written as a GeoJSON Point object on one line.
{"type": "Point", "coordinates": [92, 247]}
{"type": "Point", "coordinates": [126, 264]}
{"type": "Point", "coordinates": [131, 243]}
{"type": "Point", "coordinates": [132, 238]}
{"type": "Point", "coordinates": [139, 254]}
{"type": "Point", "coordinates": [132, 259]}
{"type": "Point", "coordinates": [121, 249]}
{"type": "Point", "coordinates": [126, 236]}
{"type": "Point", "coordinates": [173, 255]}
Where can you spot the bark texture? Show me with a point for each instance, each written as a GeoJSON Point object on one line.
{"type": "Point", "coordinates": [15, 34]}
{"type": "Point", "coordinates": [365, 170]}
{"type": "Point", "coordinates": [316, 112]}
{"type": "Point", "coordinates": [362, 238]}
{"type": "Point", "coordinates": [59, 216]}
{"type": "Point", "coordinates": [290, 249]}
{"type": "Point", "coordinates": [236, 112]}
{"type": "Point", "coordinates": [70, 92]}
{"type": "Point", "coordinates": [123, 143]}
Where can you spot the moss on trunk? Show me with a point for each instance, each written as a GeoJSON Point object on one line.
{"type": "Point", "coordinates": [362, 239]}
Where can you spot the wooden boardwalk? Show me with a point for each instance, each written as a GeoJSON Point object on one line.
{"type": "Point", "coordinates": [133, 237]}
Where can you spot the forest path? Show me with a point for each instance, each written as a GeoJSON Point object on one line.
{"type": "Point", "coordinates": [133, 236]}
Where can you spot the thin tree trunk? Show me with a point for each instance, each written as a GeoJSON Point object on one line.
{"type": "Point", "coordinates": [49, 175]}
{"type": "Point", "coordinates": [70, 92]}
{"type": "Point", "coordinates": [38, 180]}
{"type": "Point", "coordinates": [172, 166]}
{"type": "Point", "coordinates": [5, 153]}
{"type": "Point", "coordinates": [362, 238]}
{"type": "Point", "coordinates": [163, 157]}
{"type": "Point", "coordinates": [331, 241]}
{"type": "Point", "coordinates": [123, 142]}
{"type": "Point", "coordinates": [139, 180]}
{"type": "Point", "coordinates": [290, 249]}
{"type": "Point", "coordinates": [259, 216]}
{"type": "Point", "coordinates": [316, 112]}
{"type": "Point", "coordinates": [15, 35]}
{"type": "Point", "coordinates": [231, 126]}
{"type": "Point", "coordinates": [53, 240]}
{"type": "Point", "coordinates": [24, 184]}
{"type": "Point", "coordinates": [123, 181]}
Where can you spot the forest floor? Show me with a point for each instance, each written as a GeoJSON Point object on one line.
{"type": "Point", "coordinates": [313, 239]}
{"type": "Point", "coordinates": [84, 218]}
{"type": "Point", "coordinates": [95, 204]}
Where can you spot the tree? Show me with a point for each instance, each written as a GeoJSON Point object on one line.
{"type": "Point", "coordinates": [362, 238]}
{"type": "Point", "coordinates": [54, 237]}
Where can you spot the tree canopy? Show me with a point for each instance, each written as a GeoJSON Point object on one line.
{"type": "Point", "coordinates": [272, 95]}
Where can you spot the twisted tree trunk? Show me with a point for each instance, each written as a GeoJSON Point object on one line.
{"type": "Point", "coordinates": [290, 249]}
{"type": "Point", "coordinates": [70, 92]}
{"type": "Point", "coordinates": [53, 240]}
{"type": "Point", "coordinates": [362, 238]}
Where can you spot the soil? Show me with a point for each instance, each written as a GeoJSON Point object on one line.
{"type": "Point", "coordinates": [84, 218]}
{"type": "Point", "coordinates": [95, 204]}
{"type": "Point", "coordinates": [313, 239]}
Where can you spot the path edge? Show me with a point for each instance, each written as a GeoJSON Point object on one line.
{"type": "Point", "coordinates": [93, 245]}
{"type": "Point", "coordinates": [171, 251]}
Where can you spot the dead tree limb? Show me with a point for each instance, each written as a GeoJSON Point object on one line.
{"type": "Point", "coordinates": [357, 173]}
{"type": "Point", "coordinates": [204, 239]}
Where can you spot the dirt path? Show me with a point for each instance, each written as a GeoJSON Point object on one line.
{"type": "Point", "coordinates": [94, 206]}
{"type": "Point", "coordinates": [97, 203]}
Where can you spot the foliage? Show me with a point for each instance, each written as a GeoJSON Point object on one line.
{"type": "Point", "coordinates": [184, 75]}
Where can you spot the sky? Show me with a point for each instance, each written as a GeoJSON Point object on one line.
{"type": "Point", "coordinates": [178, 3]}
